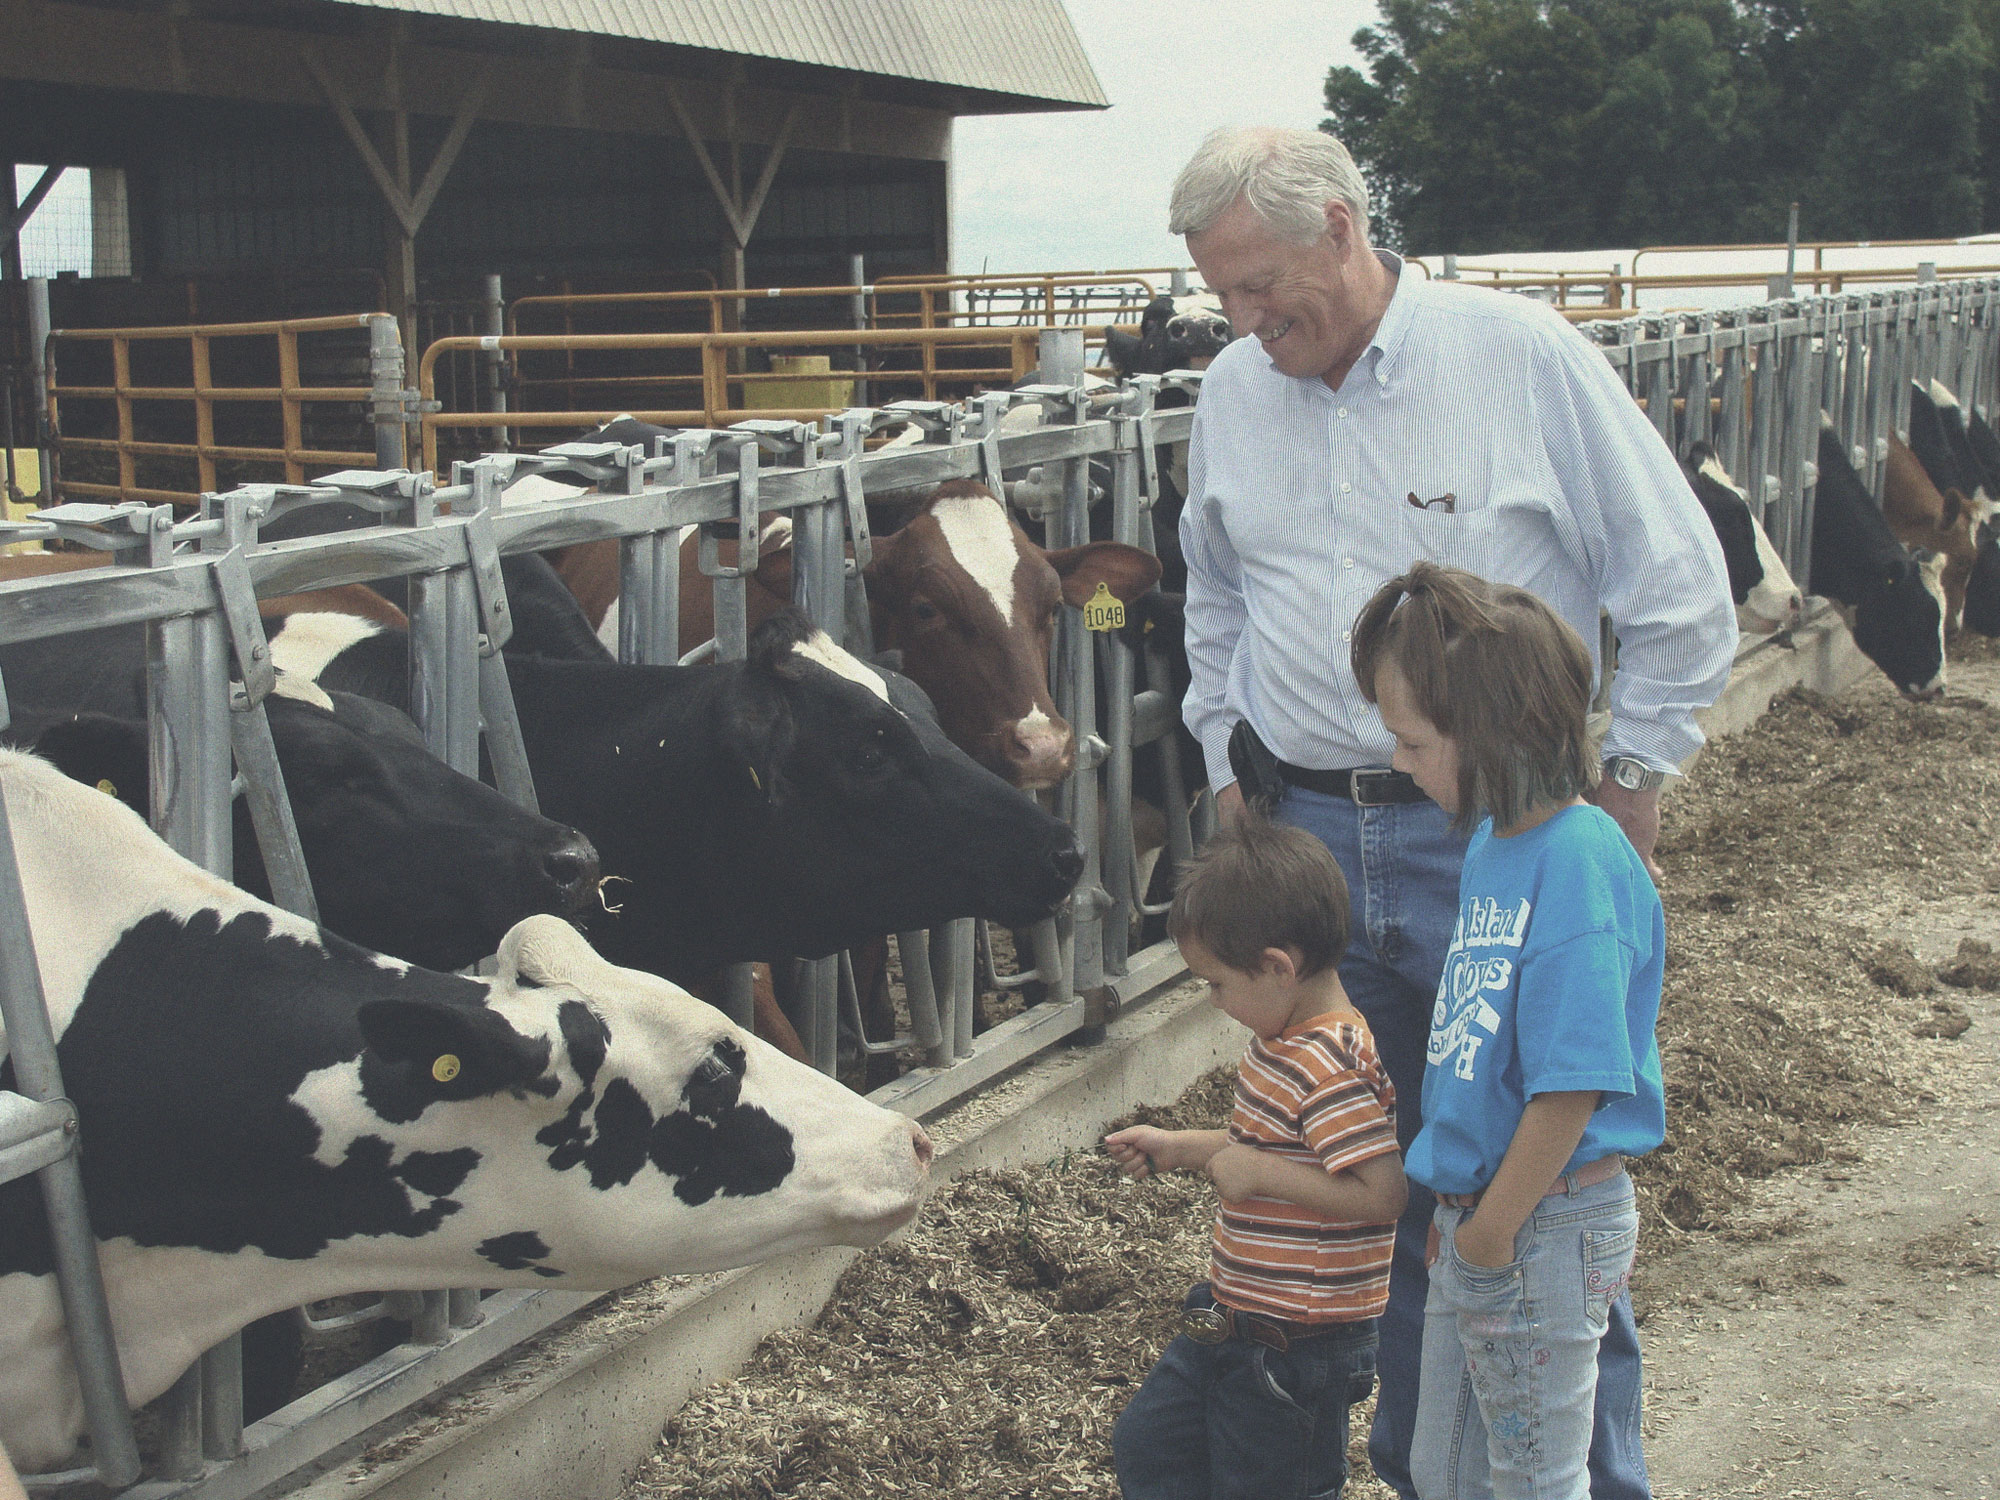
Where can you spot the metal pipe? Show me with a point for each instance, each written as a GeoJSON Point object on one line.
{"type": "Point", "coordinates": [38, 372]}
{"type": "Point", "coordinates": [495, 313]}
{"type": "Point", "coordinates": [385, 387]}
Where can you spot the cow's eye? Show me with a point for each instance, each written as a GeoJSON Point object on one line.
{"type": "Point", "coordinates": [924, 612]}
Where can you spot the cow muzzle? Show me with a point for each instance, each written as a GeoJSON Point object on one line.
{"type": "Point", "coordinates": [1040, 751]}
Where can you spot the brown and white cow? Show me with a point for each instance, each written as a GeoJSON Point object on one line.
{"type": "Point", "coordinates": [965, 595]}
{"type": "Point", "coordinates": [1924, 517]}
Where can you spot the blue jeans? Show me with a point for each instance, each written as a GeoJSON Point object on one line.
{"type": "Point", "coordinates": [1238, 1421]}
{"type": "Point", "coordinates": [1510, 1352]}
{"type": "Point", "coordinates": [1402, 864]}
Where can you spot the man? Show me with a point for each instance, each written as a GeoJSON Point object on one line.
{"type": "Point", "coordinates": [1376, 418]}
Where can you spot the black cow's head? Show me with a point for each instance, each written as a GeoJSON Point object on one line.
{"type": "Point", "coordinates": [869, 819]}
{"type": "Point", "coordinates": [1899, 624]}
{"type": "Point", "coordinates": [406, 855]}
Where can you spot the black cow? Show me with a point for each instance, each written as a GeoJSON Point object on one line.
{"type": "Point", "coordinates": [1895, 602]}
{"type": "Point", "coordinates": [791, 804]}
{"type": "Point", "coordinates": [406, 855]}
{"type": "Point", "coordinates": [1766, 598]}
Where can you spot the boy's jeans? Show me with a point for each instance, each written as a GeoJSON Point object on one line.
{"type": "Point", "coordinates": [1238, 1421]}
{"type": "Point", "coordinates": [1402, 864]}
{"type": "Point", "coordinates": [1510, 1352]}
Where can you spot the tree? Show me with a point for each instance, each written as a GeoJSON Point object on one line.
{"type": "Point", "coordinates": [1551, 124]}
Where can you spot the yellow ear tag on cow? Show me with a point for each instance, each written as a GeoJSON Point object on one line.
{"type": "Point", "coordinates": [445, 1068]}
{"type": "Point", "coordinates": [107, 788]}
{"type": "Point", "coordinates": [1102, 612]}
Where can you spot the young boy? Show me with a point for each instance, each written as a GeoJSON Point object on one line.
{"type": "Point", "coordinates": [1251, 1397]}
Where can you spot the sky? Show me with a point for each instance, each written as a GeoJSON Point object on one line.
{"type": "Point", "coordinates": [1088, 190]}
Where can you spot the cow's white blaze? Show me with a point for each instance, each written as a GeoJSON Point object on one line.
{"type": "Point", "coordinates": [819, 647]}
{"type": "Point", "coordinates": [303, 689]}
{"type": "Point", "coordinates": [1931, 570]}
{"type": "Point", "coordinates": [981, 537]}
{"type": "Point", "coordinates": [310, 642]}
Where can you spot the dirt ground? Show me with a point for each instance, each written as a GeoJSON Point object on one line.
{"type": "Point", "coordinates": [1819, 1277]}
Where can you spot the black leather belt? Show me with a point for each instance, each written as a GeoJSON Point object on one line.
{"type": "Point", "coordinates": [1364, 786]}
{"type": "Point", "coordinates": [1213, 1325]}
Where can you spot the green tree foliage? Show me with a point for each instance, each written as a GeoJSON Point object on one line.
{"type": "Point", "coordinates": [1489, 125]}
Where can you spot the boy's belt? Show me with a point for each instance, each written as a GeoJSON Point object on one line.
{"type": "Point", "coordinates": [1217, 1324]}
{"type": "Point", "coordinates": [1601, 1170]}
{"type": "Point", "coordinates": [1364, 786]}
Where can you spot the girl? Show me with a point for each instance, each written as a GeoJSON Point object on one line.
{"type": "Point", "coordinates": [1542, 1076]}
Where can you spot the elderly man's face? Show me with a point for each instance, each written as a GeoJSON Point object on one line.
{"type": "Point", "coordinates": [1295, 298]}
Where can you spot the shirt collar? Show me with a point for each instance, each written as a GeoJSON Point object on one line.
{"type": "Point", "coordinates": [1394, 329]}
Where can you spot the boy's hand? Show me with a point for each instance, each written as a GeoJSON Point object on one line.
{"type": "Point", "coordinates": [1138, 1150]}
{"type": "Point", "coordinates": [1235, 1170]}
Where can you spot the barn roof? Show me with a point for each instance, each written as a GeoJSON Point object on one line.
{"type": "Point", "coordinates": [1025, 49]}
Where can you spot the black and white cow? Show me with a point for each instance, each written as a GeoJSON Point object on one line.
{"type": "Point", "coordinates": [1766, 597]}
{"type": "Point", "coordinates": [1175, 333]}
{"type": "Point", "coordinates": [791, 804]}
{"type": "Point", "coordinates": [1893, 600]}
{"type": "Point", "coordinates": [274, 1116]}
{"type": "Point", "coordinates": [406, 856]}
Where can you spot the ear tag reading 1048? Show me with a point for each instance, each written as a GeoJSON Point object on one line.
{"type": "Point", "coordinates": [445, 1068]}
{"type": "Point", "coordinates": [1103, 612]}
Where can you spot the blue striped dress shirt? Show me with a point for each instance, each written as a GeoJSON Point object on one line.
{"type": "Point", "coordinates": [1298, 510]}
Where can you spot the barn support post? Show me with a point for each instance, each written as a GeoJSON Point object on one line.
{"type": "Point", "coordinates": [857, 277]}
{"type": "Point", "coordinates": [38, 377]}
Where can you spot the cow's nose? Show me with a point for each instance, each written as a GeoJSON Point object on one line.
{"type": "Point", "coordinates": [572, 867]}
{"type": "Point", "coordinates": [1066, 865]}
{"type": "Point", "coordinates": [921, 1144]}
{"type": "Point", "coordinates": [1040, 750]}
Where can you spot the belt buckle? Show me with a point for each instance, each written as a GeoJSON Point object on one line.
{"type": "Point", "coordinates": [1205, 1325]}
{"type": "Point", "coordinates": [1362, 778]}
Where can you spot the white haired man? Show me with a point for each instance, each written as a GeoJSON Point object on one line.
{"type": "Point", "coordinates": [1376, 418]}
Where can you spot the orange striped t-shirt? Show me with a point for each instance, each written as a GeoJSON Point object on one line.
{"type": "Point", "coordinates": [1319, 1095]}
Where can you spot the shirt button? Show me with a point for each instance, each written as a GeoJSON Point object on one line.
{"type": "Point", "coordinates": [1347, 635]}
{"type": "Point", "coordinates": [1342, 411]}
{"type": "Point", "coordinates": [1347, 562]}
{"type": "Point", "coordinates": [1347, 489]}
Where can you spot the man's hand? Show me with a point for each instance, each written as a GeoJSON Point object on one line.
{"type": "Point", "coordinates": [1229, 804]}
{"type": "Point", "coordinates": [1638, 813]}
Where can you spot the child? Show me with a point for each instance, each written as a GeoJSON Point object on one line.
{"type": "Point", "coordinates": [1542, 1076]}
{"type": "Point", "coordinates": [1251, 1397]}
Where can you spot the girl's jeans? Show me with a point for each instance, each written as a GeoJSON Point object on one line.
{"type": "Point", "coordinates": [1510, 1353]}
{"type": "Point", "coordinates": [1238, 1421]}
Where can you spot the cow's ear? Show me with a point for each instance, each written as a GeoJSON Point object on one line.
{"type": "Point", "coordinates": [452, 1051]}
{"type": "Point", "coordinates": [1126, 571]}
{"type": "Point", "coordinates": [107, 753]}
{"type": "Point", "coordinates": [1954, 507]}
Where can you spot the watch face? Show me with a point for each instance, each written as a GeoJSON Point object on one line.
{"type": "Point", "coordinates": [1630, 774]}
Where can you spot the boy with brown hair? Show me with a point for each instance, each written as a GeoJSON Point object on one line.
{"type": "Point", "coordinates": [1251, 1397]}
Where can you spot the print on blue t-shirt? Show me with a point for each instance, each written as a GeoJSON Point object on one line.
{"type": "Point", "coordinates": [1551, 984]}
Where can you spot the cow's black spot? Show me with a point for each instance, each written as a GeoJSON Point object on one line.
{"type": "Point", "coordinates": [182, 1058]}
{"type": "Point", "coordinates": [619, 1150]}
{"type": "Point", "coordinates": [586, 1036]}
{"type": "Point", "coordinates": [437, 1172]}
{"type": "Point", "coordinates": [515, 1251]}
{"type": "Point", "coordinates": [569, 1135]}
{"type": "Point", "coordinates": [712, 1144]}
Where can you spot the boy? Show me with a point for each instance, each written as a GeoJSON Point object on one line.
{"type": "Point", "coordinates": [1251, 1397]}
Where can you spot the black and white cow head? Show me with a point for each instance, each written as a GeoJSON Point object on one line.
{"type": "Point", "coordinates": [274, 1116]}
{"type": "Point", "coordinates": [1766, 597]}
{"type": "Point", "coordinates": [1175, 333]}
{"type": "Point", "coordinates": [406, 856]}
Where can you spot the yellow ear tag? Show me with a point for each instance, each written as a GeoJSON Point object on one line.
{"type": "Point", "coordinates": [1102, 612]}
{"type": "Point", "coordinates": [445, 1068]}
{"type": "Point", "coordinates": [107, 788]}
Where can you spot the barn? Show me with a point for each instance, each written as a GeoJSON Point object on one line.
{"type": "Point", "coordinates": [302, 157]}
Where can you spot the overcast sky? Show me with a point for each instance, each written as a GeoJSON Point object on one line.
{"type": "Point", "coordinates": [1088, 191]}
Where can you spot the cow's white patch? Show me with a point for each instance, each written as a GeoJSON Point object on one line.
{"type": "Point", "coordinates": [310, 642]}
{"type": "Point", "coordinates": [775, 532]}
{"type": "Point", "coordinates": [1942, 397]}
{"type": "Point", "coordinates": [819, 647]}
{"type": "Point", "coordinates": [981, 537]}
{"type": "Point", "coordinates": [1774, 599]}
{"type": "Point", "coordinates": [303, 689]}
{"type": "Point", "coordinates": [1047, 747]}
{"type": "Point", "coordinates": [607, 629]}
{"type": "Point", "coordinates": [539, 489]}
{"type": "Point", "coordinates": [1931, 569]}
{"type": "Point", "coordinates": [1712, 467]}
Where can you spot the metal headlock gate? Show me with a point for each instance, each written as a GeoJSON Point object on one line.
{"type": "Point", "coordinates": [1750, 380]}
{"type": "Point", "coordinates": [193, 584]}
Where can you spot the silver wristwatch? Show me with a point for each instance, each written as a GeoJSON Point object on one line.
{"type": "Point", "coordinates": [1633, 775]}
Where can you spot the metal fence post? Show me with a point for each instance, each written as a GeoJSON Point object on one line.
{"type": "Point", "coordinates": [38, 377]}
{"type": "Point", "coordinates": [385, 390]}
{"type": "Point", "coordinates": [494, 312]}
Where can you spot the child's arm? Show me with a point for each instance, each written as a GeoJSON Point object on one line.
{"type": "Point", "coordinates": [1543, 1143]}
{"type": "Point", "coordinates": [1372, 1192]}
{"type": "Point", "coordinates": [1141, 1150]}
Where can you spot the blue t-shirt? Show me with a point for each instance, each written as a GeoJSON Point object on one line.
{"type": "Point", "coordinates": [1551, 984]}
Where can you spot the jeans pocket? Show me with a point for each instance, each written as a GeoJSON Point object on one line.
{"type": "Point", "coordinates": [1293, 1382]}
{"type": "Point", "coordinates": [1607, 1269]}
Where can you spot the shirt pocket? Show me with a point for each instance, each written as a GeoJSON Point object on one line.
{"type": "Point", "coordinates": [1459, 535]}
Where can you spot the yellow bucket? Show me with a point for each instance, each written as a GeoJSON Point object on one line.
{"type": "Point", "coordinates": [809, 382]}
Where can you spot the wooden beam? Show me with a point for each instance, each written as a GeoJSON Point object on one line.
{"type": "Point", "coordinates": [410, 209]}
{"type": "Point", "coordinates": [755, 206]}
{"type": "Point", "coordinates": [385, 180]}
{"type": "Point", "coordinates": [447, 152]}
{"type": "Point", "coordinates": [18, 219]}
{"type": "Point", "coordinates": [742, 216]}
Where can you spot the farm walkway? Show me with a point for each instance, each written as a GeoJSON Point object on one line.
{"type": "Point", "coordinates": [1841, 1336]}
